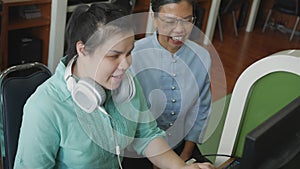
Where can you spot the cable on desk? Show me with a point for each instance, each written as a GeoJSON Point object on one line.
{"type": "Point", "coordinates": [224, 155]}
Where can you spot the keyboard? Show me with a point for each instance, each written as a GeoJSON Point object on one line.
{"type": "Point", "coordinates": [235, 164]}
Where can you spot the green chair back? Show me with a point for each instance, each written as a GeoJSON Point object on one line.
{"type": "Point", "coordinates": [267, 96]}
{"type": "Point", "coordinates": [262, 89]}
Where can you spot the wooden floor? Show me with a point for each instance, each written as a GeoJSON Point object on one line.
{"type": "Point", "coordinates": [236, 54]}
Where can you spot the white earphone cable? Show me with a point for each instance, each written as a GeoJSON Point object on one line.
{"type": "Point", "coordinates": [118, 151]}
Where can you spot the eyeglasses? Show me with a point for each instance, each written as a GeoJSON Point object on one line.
{"type": "Point", "coordinates": [172, 22]}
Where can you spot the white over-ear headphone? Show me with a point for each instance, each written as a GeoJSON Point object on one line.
{"type": "Point", "coordinates": [89, 95]}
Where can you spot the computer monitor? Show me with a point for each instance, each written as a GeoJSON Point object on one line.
{"type": "Point", "coordinates": [275, 144]}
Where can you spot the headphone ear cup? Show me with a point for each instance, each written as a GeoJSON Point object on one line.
{"type": "Point", "coordinates": [88, 94]}
{"type": "Point", "coordinates": [125, 91]}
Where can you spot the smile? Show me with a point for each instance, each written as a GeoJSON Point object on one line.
{"type": "Point", "coordinates": [177, 38]}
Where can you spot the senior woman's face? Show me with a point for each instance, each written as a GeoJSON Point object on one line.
{"type": "Point", "coordinates": [110, 61]}
{"type": "Point", "coordinates": [174, 23]}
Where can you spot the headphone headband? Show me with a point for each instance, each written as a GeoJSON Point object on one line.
{"type": "Point", "coordinates": [70, 80]}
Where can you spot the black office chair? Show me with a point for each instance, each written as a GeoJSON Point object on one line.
{"type": "Point", "coordinates": [290, 7]}
{"type": "Point", "coordinates": [17, 83]}
{"type": "Point", "coordinates": [230, 6]}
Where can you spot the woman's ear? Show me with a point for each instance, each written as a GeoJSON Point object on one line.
{"type": "Point", "coordinates": [80, 48]}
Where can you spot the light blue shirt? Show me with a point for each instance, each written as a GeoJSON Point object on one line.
{"type": "Point", "coordinates": [176, 86]}
{"type": "Point", "coordinates": [56, 133]}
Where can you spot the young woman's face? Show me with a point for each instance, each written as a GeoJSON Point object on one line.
{"type": "Point", "coordinates": [109, 62]}
{"type": "Point", "coordinates": [174, 23]}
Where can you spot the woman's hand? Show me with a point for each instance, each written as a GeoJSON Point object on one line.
{"type": "Point", "coordinates": [169, 159]}
{"type": "Point", "coordinates": [185, 156]}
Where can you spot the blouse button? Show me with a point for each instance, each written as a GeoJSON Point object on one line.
{"type": "Point", "coordinates": [173, 100]}
{"type": "Point", "coordinates": [173, 87]}
{"type": "Point", "coordinates": [170, 124]}
{"type": "Point", "coordinates": [174, 75]}
{"type": "Point", "coordinates": [173, 113]}
{"type": "Point", "coordinates": [174, 60]}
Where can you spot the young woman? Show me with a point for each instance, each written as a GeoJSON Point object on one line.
{"type": "Point", "coordinates": [76, 118]}
{"type": "Point", "coordinates": [174, 73]}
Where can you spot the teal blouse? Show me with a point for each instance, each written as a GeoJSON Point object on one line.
{"type": "Point", "coordinates": [56, 133]}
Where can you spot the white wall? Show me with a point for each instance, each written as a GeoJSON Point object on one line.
{"type": "Point", "coordinates": [57, 32]}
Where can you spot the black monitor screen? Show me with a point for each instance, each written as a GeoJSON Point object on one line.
{"type": "Point", "coordinates": [275, 144]}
